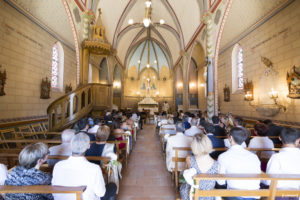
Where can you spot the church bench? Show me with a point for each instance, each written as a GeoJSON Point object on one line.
{"type": "Point", "coordinates": [43, 189]}
{"type": "Point", "coordinates": [270, 193]}
{"type": "Point", "coordinates": [178, 159]}
{"type": "Point", "coordinates": [25, 142]}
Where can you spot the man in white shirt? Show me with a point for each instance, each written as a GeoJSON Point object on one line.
{"type": "Point", "coordinates": [287, 161]}
{"type": "Point", "coordinates": [238, 160]}
{"type": "Point", "coordinates": [63, 149]}
{"type": "Point", "coordinates": [178, 140]}
{"type": "Point", "coordinates": [78, 171]}
{"type": "Point", "coordinates": [194, 129]}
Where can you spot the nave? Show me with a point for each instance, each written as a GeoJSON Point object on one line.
{"type": "Point", "coordinates": [146, 176]}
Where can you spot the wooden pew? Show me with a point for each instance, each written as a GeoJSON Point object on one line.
{"type": "Point", "coordinates": [57, 142]}
{"type": "Point", "coordinates": [43, 189]}
{"type": "Point", "coordinates": [178, 159]}
{"type": "Point", "coordinates": [271, 193]}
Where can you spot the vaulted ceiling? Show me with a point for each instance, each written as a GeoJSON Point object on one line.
{"type": "Point", "coordinates": [182, 20]}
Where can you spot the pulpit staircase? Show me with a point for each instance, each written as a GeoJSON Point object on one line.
{"type": "Point", "coordinates": [68, 109]}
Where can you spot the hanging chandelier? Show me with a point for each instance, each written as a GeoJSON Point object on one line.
{"type": "Point", "coordinates": [147, 18]}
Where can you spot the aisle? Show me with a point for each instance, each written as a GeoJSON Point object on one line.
{"type": "Point", "coordinates": [146, 177]}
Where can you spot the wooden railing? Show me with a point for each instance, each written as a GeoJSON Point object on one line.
{"type": "Point", "coordinates": [71, 107]}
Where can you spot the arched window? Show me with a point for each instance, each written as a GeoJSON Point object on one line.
{"type": "Point", "coordinates": [57, 69]}
{"type": "Point", "coordinates": [237, 68]}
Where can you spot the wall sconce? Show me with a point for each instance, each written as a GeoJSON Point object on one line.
{"type": "Point", "coordinates": [274, 95]}
{"type": "Point", "coordinates": [117, 84]}
{"type": "Point", "coordinates": [192, 85]}
{"type": "Point", "coordinates": [138, 93]}
{"type": "Point", "coordinates": [201, 84]}
{"type": "Point", "coordinates": [179, 85]}
{"type": "Point", "coordinates": [248, 89]}
{"type": "Point", "coordinates": [157, 93]}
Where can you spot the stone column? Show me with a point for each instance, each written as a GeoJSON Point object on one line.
{"type": "Point", "coordinates": [207, 19]}
{"type": "Point", "coordinates": [185, 78]}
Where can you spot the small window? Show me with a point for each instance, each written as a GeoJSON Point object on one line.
{"type": "Point", "coordinates": [237, 68]}
{"type": "Point", "coordinates": [57, 69]}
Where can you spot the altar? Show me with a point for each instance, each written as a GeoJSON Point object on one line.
{"type": "Point", "coordinates": [148, 104]}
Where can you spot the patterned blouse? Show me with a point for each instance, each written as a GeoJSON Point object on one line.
{"type": "Point", "coordinates": [203, 184]}
{"type": "Point", "coordinates": [21, 176]}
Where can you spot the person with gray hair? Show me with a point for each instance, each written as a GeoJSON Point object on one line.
{"type": "Point", "coordinates": [194, 129]}
{"type": "Point", "coordinates": [63, 149]}
{"type": "Point", "coordinates": [178, 140]}
{"type": "Point", "coordinates": [27, 173]}
{"type": "Point", "coordinates": [77, 171]}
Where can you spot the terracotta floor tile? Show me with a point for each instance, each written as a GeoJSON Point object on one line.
{"type": "Point", "coordinates": [146, 177]}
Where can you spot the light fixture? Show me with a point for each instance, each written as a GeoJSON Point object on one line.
{"type": "Point", "coordinates": [274, 95]}
{"type": "Point", "coordinates": [192, 85]}
{"type": "Point", "coordinates": [248, 89]}
{"type": "Point", "coordinates": [139, 61]}
{"type": "Point", "coordinates": [179, 85]}
{"type": "Point", "coordinates": [146, 22]}
{"type": "Point", "coordinates": [148, 4]}
{"type": "Point", "coordinates": [148, 65]}
{"type": "Point", "coordinates": [201, 84]}
{"type": "Point", "coordinates": [116, 84]}
{"type": "Point", "coordinates": [248, 96]}
{"type": "Point", "coordinates": [161, 21]}
{"type": "Point", "coordinates": [130, 21]}
{"type": "Point", "coordinates": [157, 93]}
{"type": "Point", "coordinates": [155, 61]}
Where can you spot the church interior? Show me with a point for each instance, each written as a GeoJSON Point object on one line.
{"type": "Point", "coordinates": [159, 77]}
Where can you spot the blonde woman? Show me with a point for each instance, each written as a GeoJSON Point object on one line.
{"type": "Point", "coordinates": [201, 162]}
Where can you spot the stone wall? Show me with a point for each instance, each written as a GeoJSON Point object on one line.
{"type": "Point", "coordinates": [278, 40]}
{"type": "Point", "coordinates": [26, 53]}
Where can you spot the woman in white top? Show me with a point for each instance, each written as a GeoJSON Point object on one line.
{"type": "Point", "coordinates": [262, 140]}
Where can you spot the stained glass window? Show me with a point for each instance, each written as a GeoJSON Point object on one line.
{"type": "Point", "coordinates": [240, 69]}
{"type": "Point", "coordinates": [55, 66]}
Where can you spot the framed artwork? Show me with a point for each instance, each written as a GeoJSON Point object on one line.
{"type": "Point", "coordinates": [293, 81]}
{"type": "Point", "coordinates": [226, 93]}
{"type": "Point", "coordinates": [2, 81]}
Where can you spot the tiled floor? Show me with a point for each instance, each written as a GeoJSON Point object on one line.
{"type": "Point", "coordinates": [146, 177]}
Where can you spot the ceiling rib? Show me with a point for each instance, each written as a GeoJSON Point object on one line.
{"type": "Point", "coordinates": [121, 20]}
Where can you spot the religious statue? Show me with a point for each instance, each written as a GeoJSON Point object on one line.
{"type": "Point", "coordinates": [166, 107]}
{"type": "Point", "coordinates": [45, 88]}
{"type": "Point", "coordinates": [226, 93]}
{"type": "Point", "coordinates": [2, 81]}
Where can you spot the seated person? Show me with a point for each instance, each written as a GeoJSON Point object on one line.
{"type": "Point", "coordinates": [78, 171]}
{"type": "Point", "coordinates": [63, 149]}
{"type": "Point", "coordinates": [200, 162]}
{"type": "Point", "coordinates": [93, 129]}
{"type": "Point", "coordinates": [238, 160]}
{"type": "Point", "coordinates": [100, 147]}
{"type": "Point", "coordinates": [178, 140]}
{"type": "Point", "coordinates": [216, 142]}
{"type": "Point", "coordinates": [287, 161]}
{"type": "Point", "coordinates": [27, 173]}
{"type": "Point", "coordinates": [228, 143]}
{"type": "Point", "coordinates": [238, 122]}
{"type": "Point", "coordinates": [84, 127]}
{"type": "Point", "coordinates": [219, 131]}
{"type": "Point", "coordinates": [194, 129]}
{"type": "Point", "coordinates": [274, 130]}
{"type": "Point", "coordinates": [118, 131]}
{"type": "Point", "coordinates": [262, 140]}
